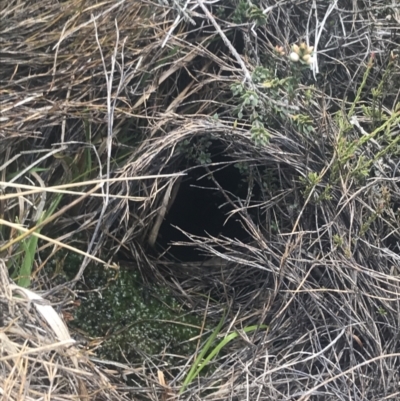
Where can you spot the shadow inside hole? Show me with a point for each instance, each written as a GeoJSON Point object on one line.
{"type": "Point", "coordinates": [200, 209]}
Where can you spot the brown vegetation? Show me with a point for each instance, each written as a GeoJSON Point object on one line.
{"type": "Point", "coordinates": [140, 94]}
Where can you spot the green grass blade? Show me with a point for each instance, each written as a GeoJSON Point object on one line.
{"type": "Point", "coordinates": [29, 245]}
{"type": "Point", "coordinates": [191, 375]}
{"type": "Point", "coordinates": [200, 364]}
{"type": "Point", "coordinates": [226, 340]}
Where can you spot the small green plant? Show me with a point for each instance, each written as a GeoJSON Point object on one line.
{"type": "Point", "coordinates": [361, 169]}
{"type": "Point", "coordinates": [246, 12]}
{"type": "Point", "coordinates": [259, 133]}
{"type": "Point", "coordinates": [240, 13]}
{"type": "Point", "coordinates": [382, 205]}
{"type": "Point", "coordinates": [274, 227]}
{"type": "Point", "coordinates": [269, 180]}
{"type": "Point", "coordinates": [222, 12]}
{"type": "Point", "coordinates": [262, 74]}
{"type": "Point", "coordinates": [29, 247]}
{"type": "Point", "coordinates": [256, 15]}
{"type": "Point", "coordinates": [382, 311]}
{"type": "Point", "coordinates": [310, 182]}
{"type": "Point", "coordinates": [326, 194]}
{"type": "Point", "coordinates": [202, 360]}
{"type": "Point", "coordinates": [262, 104]}
{"type": "Point", "coordinates": [338, 240]}
{"type": "Point", "coordinates": [197, 151]}
{"type": "Point", "coordinates": [362, 85]}
{"type": "Point", "coordinates": [243, 168]}
{"type": "Point", "coordinates": [312, 185]}
{"type": "Point", "coordinates": [375, 112]}
{"type": "Point", "coordinates": [204, 158]}
{"type": "Point", "coordinates": [303, 123]}
{"type": "Point", "coordinates": [250, 107]}
{"type": "Point", "coordinates": [250, 99]}
{"type": "Point", "coordinates": [349, 159]}
{"type": "Point", "coordinates": [246, 172]}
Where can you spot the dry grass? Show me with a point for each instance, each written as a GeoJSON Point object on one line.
{"type": "Point", "coordinates": [39, 359]}
{"type": "Point", "coordinates": [112, 89]}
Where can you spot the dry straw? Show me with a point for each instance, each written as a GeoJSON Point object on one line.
{"type": "Point", "coordinates": [39, 359]}
{"type": "Point", "coordinates": [112, 90]}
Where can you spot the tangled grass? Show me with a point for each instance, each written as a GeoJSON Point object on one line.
{"type": "Point", "coordinates": [113, 98]}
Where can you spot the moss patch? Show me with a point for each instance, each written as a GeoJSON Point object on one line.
{"type": "Point", "coordinates": [133, 318]}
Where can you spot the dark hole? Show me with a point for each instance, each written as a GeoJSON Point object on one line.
{"type": "Point", "coordinates": [200, 208]}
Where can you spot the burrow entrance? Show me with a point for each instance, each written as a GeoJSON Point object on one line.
{"type": "Point", "coordinates": [200, 208]}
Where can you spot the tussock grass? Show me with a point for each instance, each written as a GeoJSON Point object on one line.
{"type": "Point", "coordinates": [104, 97]}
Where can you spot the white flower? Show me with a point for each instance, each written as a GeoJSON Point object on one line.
{"type": "Point", "coordinates": [294, 56]}
{"type": "Point", "coordinates": [309, 50]}
{"type": "Point", "coordinates": [295, 48]}
{"type": "Point", "coordinates": [310, 61]}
